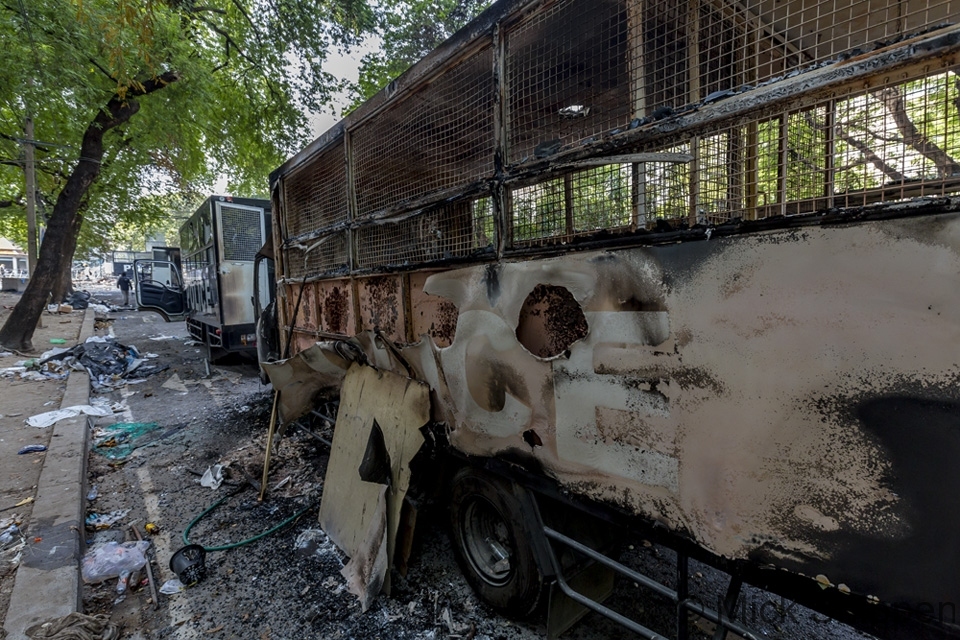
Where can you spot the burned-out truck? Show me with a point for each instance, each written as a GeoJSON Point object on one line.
{"type": "Point", "coordinates": [684, 269]}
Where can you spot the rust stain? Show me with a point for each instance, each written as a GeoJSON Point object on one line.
{"type": "Point", "coordinates": [336, 310]}
{"type": "Point", "coordinates": [380, 305]}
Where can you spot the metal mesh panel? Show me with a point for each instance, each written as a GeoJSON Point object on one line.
{"type": "Point", "coordinates": [316, 195]}
{"type": "Point", "coordinates": [452, 231]}
{"type": "Point", "coordinates": [566, 75]}
{"type": "Point", "coordinates": [664, 189]}
{"type": "Point", "coordinates": [899, 141]}
{"type": "Point", "coordinates": [242, 233]}
{"type": "Point", "coordinates": [578, 72]}
{"type": "Point", "coordinates": [690, 49]}
{"type": "Point", "coordinates": [327, 255]}
{"type": "Point", "coordinates": [719, 178]}
{"type": "Point", "coordinates": [441, 137]}
{"type": "Point", "coordinates": [581, 203]}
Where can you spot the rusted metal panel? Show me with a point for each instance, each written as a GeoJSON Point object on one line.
{"type": "Point", "coordinates": [336, 307]}
{"type": "Point", "coordinates": [432, 316]}
{"type": "Point", "coordinates": [381, 307]}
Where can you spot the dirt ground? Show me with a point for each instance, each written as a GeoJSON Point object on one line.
{"type": "Point", "coordinates": [20, 399]}
{"type": "Point", "coordinates": [273, 587]}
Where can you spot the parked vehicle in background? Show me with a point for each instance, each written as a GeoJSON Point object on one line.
{"type": "Point", "coordinates": [213, 290]}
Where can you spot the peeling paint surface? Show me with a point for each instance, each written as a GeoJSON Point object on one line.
{"type": "Point", "coordinates": [732, 390]}
{"type": "Point", "coordinates": [693, 398]}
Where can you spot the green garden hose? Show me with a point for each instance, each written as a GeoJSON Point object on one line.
{"type": "Point", "coordinates": [234, 545]}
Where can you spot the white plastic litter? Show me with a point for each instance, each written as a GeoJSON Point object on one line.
{"type": "Point", "coordinates": [212, 477]}
{"type": "Point", "coordinates": [171, 587]}
{"type": "Point", "coordinates": [52, 417]}
{"type": "Point", "coordinates": [113, 559]}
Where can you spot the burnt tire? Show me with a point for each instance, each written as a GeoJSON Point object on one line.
{"type": "Point", "coordinates": [492, 543]}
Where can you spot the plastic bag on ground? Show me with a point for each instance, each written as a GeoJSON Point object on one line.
{"type": "Point", "coordinates": [172, 586]}
{"type": "Point", "coordinates": [113, 559]}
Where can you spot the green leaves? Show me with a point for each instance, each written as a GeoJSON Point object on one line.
{"type": "Point", "coordinates": [410, 29]}
{"type": "Point", "coordinates": [245, 69]}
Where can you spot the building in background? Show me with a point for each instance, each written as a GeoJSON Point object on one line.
{"type": "Point", "coordinates": [13, 259]}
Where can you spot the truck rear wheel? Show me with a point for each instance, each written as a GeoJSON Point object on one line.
{"type": "Point", "coordinates": [492, 543]}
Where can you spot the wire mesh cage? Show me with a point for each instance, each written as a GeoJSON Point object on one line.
{"type": "Point", "coordinates": [242, 232]}
{"type": "Point", "coordinates": [438, 138]}
{"type": "Point", "coordinates": [326, 255]}
{"type": "Point", "coordinates": [452, 231]}
{"type": "Point", "coordinates": [316, 194]}
{"type": "Point", "coordinates": [581, 78]}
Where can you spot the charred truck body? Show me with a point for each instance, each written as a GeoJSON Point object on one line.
{"type": "Point", "coordinates": [688, 267]}
{"type": "Point", "coordinates": [215, 294]}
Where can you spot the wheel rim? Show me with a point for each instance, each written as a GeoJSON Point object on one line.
{"type": "Point", "coordinates": [486, 542]}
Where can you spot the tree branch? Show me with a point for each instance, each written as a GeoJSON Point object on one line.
{"type": "Point", "coordinates": [896, 105]}
{"type": "Point", "coordinates": [870, 155]}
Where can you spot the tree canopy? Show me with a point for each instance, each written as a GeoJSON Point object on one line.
{"type": "Point", "coordinates": [409, 30]}
{"type": "Point", "coordinates": [135, 98]}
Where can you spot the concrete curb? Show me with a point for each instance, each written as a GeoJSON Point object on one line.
{"type": "Point", "coordinates": [48, 579]}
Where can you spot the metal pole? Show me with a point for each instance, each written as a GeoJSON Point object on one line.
{"type": "Point", "coordinates": [31, 195]}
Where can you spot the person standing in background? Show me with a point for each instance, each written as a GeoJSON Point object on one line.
{"type": "Point", "coordinates": [123, 282]}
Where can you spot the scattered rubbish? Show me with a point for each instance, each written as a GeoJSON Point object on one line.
{"type": "Point", "coordinates": [151, 528]}
{"type": "Point", "coordinates": [172, 586]}
{"type": "Point", "coordinates": [25, 501]}
{"type": "Point", "coordinates": [188, 564]}
{"type": "Point", "coordinates": [75, 625]}
{"type": "Point", "coordinates": [315, 542]}
{"type": "Point", "coordinates": [98, 521]}
{"type": "Point", "coordinates": [109, 363]}
{"type": "Point", "coordinates": [52, 417]}
{"type": "Point", "coordinates": [150, 579]}
{"type": "Point", "coordinates": [123, 582]}
{"type": "Point", "coordinates": [77, 300]}
{"type": "Point", "coordinates": [174, 383]}
{"type": "Point", "coordinates": [10, 536]}
{"type": "Point", "coordinates": [117, 441]}
{"type": "Point", "coordinates": [4, 354]}
{"type": "Point", "coordinates": [57, 341]}
{"type": "Point", "coordinates": [32, 448]}
{"type": "Point", "coordinates": [213, 477]}
{"type": "Point", "coordinates": [112, 559]}
{"type": "Point", "coordinates": [93, 494]}
{"type": "Point", "coordinates": [163, 337]}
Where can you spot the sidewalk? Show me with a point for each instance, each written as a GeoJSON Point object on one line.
{"type": "Point", "coordinates": [47, 581]}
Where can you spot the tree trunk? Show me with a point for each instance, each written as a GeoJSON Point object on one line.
{"type": "Point", "coordinates": [64, 282]}
{"type": "Point", "coordinates": [64, 223]}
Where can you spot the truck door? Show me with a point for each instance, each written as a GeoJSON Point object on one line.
{"type": "Point", "coordinates": [159, 288]}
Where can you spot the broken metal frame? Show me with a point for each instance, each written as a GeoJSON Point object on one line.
{"type": "Point", "coordinates": [724, 620]}
{"type": "Point", "coordinates": [545, 537]}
